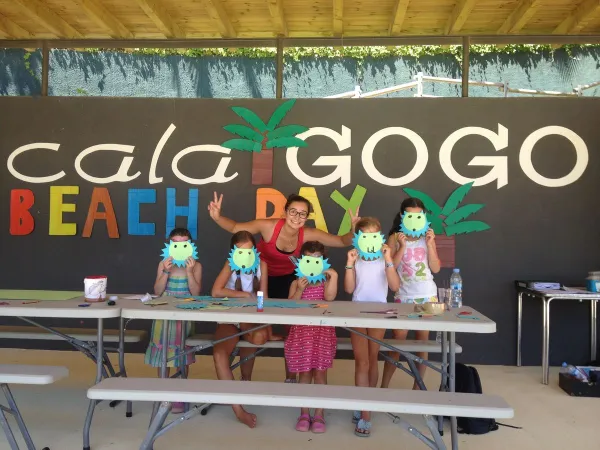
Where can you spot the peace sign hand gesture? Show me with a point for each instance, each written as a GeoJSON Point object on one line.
{"type": "Point", "coordinates": [214, 207]}
{"type": "Point", "coordinates": [354, 218]}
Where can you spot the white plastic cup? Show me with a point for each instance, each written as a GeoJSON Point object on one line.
{"type": "Point", "coordinates": [94, 288]}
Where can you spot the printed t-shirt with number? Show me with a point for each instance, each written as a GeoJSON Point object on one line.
{"type": "Point", "coordinates": [416, 280]}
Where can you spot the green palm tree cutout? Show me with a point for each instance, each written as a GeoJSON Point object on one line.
{"type": "Point", "coordinates": [261, 138]}
{"type": "Point", "coordinates": [450, 219]}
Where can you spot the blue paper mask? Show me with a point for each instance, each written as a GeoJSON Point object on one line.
{"type": "Point", "coordinates": [368, 245]}
{"type": "Point", "coordinates": [312, 268]}
{"type": "Point", "coordinates": [414, 224]}
{"type": "Point", "coordinates": [180, 251]}
{"type": "Point", "coordinates": [244, 260]}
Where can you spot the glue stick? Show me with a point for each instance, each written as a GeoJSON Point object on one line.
{"type": "Point", "coordinates": [259, 301]}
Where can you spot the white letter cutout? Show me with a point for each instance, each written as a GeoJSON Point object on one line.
{"type": "Point", "coordinates": [414, 138]}
{"type": "Point", "coordinates": [341, 163]}
{"type": "Point", "coordinates": [152, 178]}
{"type": "Point", "coordinates": [23, 149]}
{"type": "Point", "coordinates": [581, 153]}
{"type": "Point", "coordinates": [498, 164]}
{"type": "Point", "coordinates": [121, 174]}
{"type": "Point", "coordinates": [218, 177]}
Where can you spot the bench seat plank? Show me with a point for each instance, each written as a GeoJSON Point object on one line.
{"type": "Point", "coordinates": [400, 401]}
{"type": "Point", "coordinates": [342, 344]}
{"type": "Point", "coordinates": [31, 374]}
{"type": "Point", "coordinates": [83, 334]}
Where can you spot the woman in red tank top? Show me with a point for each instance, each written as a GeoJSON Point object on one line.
{"type": "Point", "coordinates": [282, 238]}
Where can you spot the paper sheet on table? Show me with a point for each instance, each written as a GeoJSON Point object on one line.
{"type": "Point", "coordinates": [573, 290]}
{"type": "Point", "coordinates": [243, 304]}
{"type": "Point", "coordinates": [566, 290]}
{"type": "Point", "coordinates": [137, 297]}
{"type": "Point", "coordinates": [17, 294]}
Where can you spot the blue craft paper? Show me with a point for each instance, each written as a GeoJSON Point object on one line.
{"type": "Point", "coordinates": [193, 305]}
{"type": "Point", "coordinates": [204, 301]}
{"type": "Point", "coordinates": [190, 211]}
{"type": "Point", "coordinates": [135, 198]}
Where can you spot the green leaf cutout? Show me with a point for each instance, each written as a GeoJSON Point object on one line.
{"type": "Point", "coordinates": [430, 204]}
{"type": "Point", "coordinates": [286, 131]}
{"type": "Point", "coordinates": [279, 114]}
{"type": "Point", "coordinates": [286, 142]}
{"type": "Point", "coordinates": [245, 132]}
{"type": "Point", "coordinates": [250, 117]}
{"type": "Point", "coordinates": [462, 213]}
{"type": "Point", "coordinates": [466, 227]}
{"type": "Point", "coordinates": [242, 144]}
{"type": "Point", "coordinates": [436, 224]}
{"type": "Point", "coordinates": [455, 198]}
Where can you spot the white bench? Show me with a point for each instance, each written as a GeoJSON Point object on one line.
{"type": "Point", "coordinates": [411, 346]}
{"type": "Point", "coordinates": [23, 374]}
{"type": "Point", "coordinates": [82, 334]}
{"type": "Point", "coordinates": [392, 401]}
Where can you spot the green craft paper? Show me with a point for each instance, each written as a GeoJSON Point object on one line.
{"type": "Point", "coordinates": [15, 294]}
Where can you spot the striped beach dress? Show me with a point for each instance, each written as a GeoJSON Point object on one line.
{"type": "Point", "coordinates": [309, 347]}
{"type": "Point", "coordinates": [176, 287]}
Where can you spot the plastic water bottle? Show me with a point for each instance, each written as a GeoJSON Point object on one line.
{"type": "Point", "coordinates": [572, 371]}
{"type": "Point", "coordinates": [259, 301]}
{"type": "Point", "coordinates": [456, 289]}
{"type": "Point", "coordinates": [438, 337]}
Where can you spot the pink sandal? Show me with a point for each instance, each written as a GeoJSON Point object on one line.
{"type": "Point", "coordinates": [318, 425]}
{"type": "Point", "coordinates": [178, 408]}
{"type": "Point", "coordinates": [303, 423]}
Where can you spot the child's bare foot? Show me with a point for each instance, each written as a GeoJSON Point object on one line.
{"type": "Point", "coordinates": [275, 337]}
{"type": "Point", "coordinates": [246, 418]}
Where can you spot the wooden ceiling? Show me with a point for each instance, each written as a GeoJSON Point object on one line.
{"type": "Point", "coordinates": [191, 19]}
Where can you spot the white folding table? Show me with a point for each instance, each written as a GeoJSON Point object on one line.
{"type": "Point", "coordinates": [343, 314]}
{"type": "Point", "coordinates": [547, 296]}
{"type": "Point", "coordinates": [70, 309]}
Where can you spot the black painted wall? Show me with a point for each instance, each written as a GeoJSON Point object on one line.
{"type": "Point", "coordinates": [536, 231]}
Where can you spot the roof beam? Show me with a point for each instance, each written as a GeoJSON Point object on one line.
{"type": "Point", "coordinates": [520, 16]}
{"type": "Point", "coordinates": [217, 13]}
{"type": "Point", "coordinates": [39, 12]}
{"type": "Point", "coordinates": [338, 18]}
{"type": "Point", "coordinates": [459, 16]}
{"type": "Point", "coordinates": [103, 17]}
{"type": "Point", "coordinates": [161, 18]}
{"type": "Point", "coordinates": [578, 19]}
{"type": "Point", "coordinates": [10, 29]}
{"type": "Point", "coordinates": [276, 10]}
{"type": "Point", "coordinates": [398, 17]}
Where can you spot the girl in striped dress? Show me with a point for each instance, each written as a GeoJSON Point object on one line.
{"type": "Point", "coordinates": [310, 350]}
{"type": "Point", "coordinates": [177, 282]}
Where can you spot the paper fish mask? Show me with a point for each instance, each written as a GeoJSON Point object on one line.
{"type": "Point", "coordinates": [312, 267]}
{"type": "Point", "coordinates": [414, 224]}
{"type": "Point", "coordinates": [244, 260]}
{"type": "Point", "coordinates": [180, 251]}
{"type": "Point", "coordinates": [368, 245]}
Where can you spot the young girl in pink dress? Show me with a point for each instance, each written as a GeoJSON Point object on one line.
{"type": "Point", "coordinates": [310, 350]}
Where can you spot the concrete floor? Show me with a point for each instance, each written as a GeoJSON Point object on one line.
{"type": "Point", "coordinates": [55, 414]}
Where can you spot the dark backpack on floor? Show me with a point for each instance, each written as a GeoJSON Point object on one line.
{"type": "Point", "coordinates": [468, 381]}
